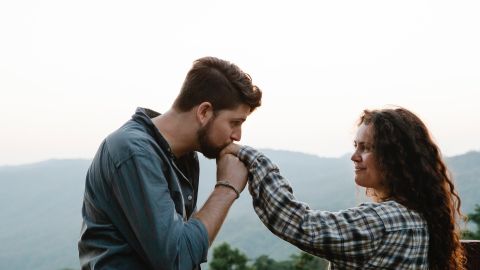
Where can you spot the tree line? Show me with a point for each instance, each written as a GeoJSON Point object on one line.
{"type": "Point", "coordinates": [226, 257]}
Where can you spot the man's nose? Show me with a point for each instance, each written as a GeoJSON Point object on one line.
{"type": "Point", "coordinates": [236, 135]}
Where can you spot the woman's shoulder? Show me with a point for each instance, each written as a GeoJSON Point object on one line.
{"type": "Point", "coordinates": [396, 216]}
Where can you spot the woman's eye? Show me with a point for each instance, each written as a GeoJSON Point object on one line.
{"type": "Point", "coordinates": [368, 148]}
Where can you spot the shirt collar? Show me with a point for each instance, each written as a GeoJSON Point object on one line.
{"type": "Point", "coordinates": [144, 116]}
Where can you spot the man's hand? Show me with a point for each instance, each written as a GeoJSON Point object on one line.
{"type": "Point", "coordinates": [214, 211]}
{"type": "Point", "coordinates": [231, 169]}
{"type": "Point", "coordinates": [230, 149]}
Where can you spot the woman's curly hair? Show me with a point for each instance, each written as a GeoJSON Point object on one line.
{"type": "Point", "coordinates": [416, 176]}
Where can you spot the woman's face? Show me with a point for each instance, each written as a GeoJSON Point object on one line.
{"type": "Point", "coordinates": [367, 172]}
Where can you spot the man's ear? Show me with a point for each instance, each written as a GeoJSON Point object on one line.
{"type": "Point", "coordinates": [204, 112]}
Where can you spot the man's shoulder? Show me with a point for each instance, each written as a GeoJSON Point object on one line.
{"type": "Point", "coordinates": [129, 140]}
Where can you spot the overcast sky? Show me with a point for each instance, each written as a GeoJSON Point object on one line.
{"type": "Point", "coordinates": [71, 72]}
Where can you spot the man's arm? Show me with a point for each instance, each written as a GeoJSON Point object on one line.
{"type": "Point", "coordinates": [167, 241]}
{"type": "Point", "coordinates": [214, 211]}
{"type": "Point", "coordinates": [160, 235]}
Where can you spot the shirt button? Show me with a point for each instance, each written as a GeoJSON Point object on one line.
{"type": "Point", "coordinates": [189, 197]}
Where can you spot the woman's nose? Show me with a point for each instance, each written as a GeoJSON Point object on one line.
{"type": "Point", "coordinates": [355, 157]}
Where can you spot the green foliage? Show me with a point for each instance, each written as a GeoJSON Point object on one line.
{"type": "Point", "coordinates": [263, 263]}
{"type": "Point", "coordinates": [305, 261]}
{"type": "Point", "coordinates": [226, 258]}
{"type": "Point", "coordinates": [475, 218]}
{"type": "Point", "coordinates": [266, 263]}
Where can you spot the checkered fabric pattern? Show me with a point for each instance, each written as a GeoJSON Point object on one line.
{"type": "Point", "coordinates": [383, 235]}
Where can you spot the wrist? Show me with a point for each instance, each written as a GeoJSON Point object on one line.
{"type": "Point", "coordinates": [226, 185]}
{"type": "Point", "coordinates": [247, 155]}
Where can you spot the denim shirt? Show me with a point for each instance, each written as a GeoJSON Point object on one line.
{"type": "Point", "coordinates": [138, 203]}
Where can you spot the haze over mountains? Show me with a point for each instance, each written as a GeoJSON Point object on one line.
{"type": "Point", "coordinates": [40, 205]}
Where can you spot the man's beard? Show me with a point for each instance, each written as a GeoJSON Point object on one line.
{"type": "Point", "coordinates": [207, 148]}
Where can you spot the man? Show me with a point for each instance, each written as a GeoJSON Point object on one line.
{"type": "Point", "coordinates": [139, 209]}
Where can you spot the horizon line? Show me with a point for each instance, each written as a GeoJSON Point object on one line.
{"type": "Point", "coordinates": [261, 149]}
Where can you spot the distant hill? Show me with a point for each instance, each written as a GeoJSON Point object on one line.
{"type": "Point", "coordinates": [40, 205]}
{"type": "Point", "coordinates": [40, 214]}
{"type": "Point", "coordinates": [466, 173]}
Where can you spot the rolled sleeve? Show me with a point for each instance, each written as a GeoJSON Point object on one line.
{"type": "Point", "coordinates": [194, 244]}
{"type": "Point", "coordinates": [248, 155]}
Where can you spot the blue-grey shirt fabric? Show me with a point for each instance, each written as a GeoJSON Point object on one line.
{"type": "Point", "coordinates": [138, 202]}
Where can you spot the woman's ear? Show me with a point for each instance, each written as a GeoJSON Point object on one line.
{"type": "Point", "coordinates": [204, 112]}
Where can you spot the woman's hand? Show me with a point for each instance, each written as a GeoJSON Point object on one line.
{"type": "Point", "coordinates": [230, 149]}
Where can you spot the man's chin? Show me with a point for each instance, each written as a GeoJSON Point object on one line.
{"type": "Point", "coordinates": [213, 153]}
{"type": "Point", "coordinates": [210, 155]}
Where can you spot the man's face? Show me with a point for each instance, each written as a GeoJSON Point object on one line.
{"type": "Point", "coordinates": [221, 130]}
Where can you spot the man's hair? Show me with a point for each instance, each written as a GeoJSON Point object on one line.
{"type": "Point", "coordinates": [417, 177]}
{"type": "Point", "coordinates": [219, 82]}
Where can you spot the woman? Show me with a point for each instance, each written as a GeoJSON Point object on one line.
{"type": "Point", "coordinates": [411, 223]}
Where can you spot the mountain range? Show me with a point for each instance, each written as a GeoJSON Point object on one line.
{"type": "Point", "coordinates": [40, 205]}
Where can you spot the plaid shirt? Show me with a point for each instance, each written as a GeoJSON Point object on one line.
{"type": "Point", "coordinates": [382, 235]}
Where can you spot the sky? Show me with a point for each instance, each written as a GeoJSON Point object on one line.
{"type": "Point", "coordinates": [71, 72]}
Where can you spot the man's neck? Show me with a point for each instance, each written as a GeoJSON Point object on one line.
{"type": "Point", "coordinates": [178, 129]}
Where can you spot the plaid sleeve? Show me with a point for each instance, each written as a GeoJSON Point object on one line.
{"type": "Point", "coordinates": [346, 238]}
